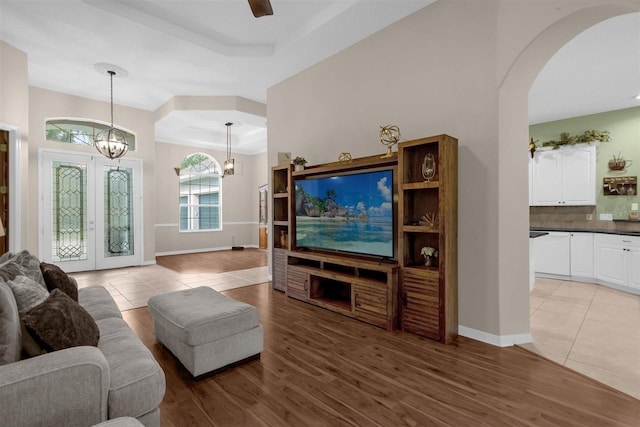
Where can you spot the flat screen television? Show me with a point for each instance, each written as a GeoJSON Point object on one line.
{"type": "Point", "coordinates": [347, 212]}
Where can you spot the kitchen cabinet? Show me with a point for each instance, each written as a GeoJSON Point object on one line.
{"type": "Point", "coordinates": [618, 260]}
{"type": "Point", "coordinates": [552, 254]}
{"type": "Point", "coordinates": [582, 255]}
{"type": "Point", "coordinates": [563, 177]}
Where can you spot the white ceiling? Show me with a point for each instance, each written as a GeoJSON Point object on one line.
{"type": "Point", "coordinates": [217, 48]}
{"type": "Point", "coordinates": [597, 71]}
{"type": "Point", "coordinates": [187, 48]}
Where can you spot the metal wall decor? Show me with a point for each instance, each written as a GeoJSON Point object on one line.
{"type": "Point", "coordinates": [620, 186]}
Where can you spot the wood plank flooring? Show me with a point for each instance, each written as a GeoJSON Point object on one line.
{"type": "Point", "coordinates": [319, 368]}
{"type": "Point", "coordinates": [215, 261]}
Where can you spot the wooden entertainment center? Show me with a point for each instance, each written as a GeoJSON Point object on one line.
{"type": "Point", "coordinates": [390, 293]}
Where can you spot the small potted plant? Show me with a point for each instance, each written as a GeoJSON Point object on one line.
{"type": "Point", "coordinates": [299, 163]}
{"type": "Point", "coordinates": [429, 254]}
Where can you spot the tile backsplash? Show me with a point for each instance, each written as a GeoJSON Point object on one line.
{"type": "Point", "coordinates": [575, 217]}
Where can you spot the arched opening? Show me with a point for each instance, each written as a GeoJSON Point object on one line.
{"type": "Point", "coordinates": [514, 126]}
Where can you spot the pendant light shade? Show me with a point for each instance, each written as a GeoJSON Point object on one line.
{"type": "Point", "coordinates": [111, 142]}
{"type": "Point", "coordinates": [229, 164]}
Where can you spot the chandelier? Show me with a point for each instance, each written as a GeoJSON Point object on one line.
{"type": "Point", "coordinates": [229, 164]}
{"type": "Point", "coordinates": [111, 142]}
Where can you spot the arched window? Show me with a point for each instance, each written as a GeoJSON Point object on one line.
{"type": "Point", "coordinates": [80, 131]}
{"type": "Point", "coordinates": [200, 195]}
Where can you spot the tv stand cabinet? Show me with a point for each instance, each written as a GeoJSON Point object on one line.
{"type": "Point", "coordinates": [357, 287]}
{"type": "Point", "coordinates": [414, 294]}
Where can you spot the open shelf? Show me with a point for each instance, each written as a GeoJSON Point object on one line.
{"type": "Point", "coordinates": [330, 291]}
{"type": "Point", "coordinates": [280, 225]}
{"type": "Point", "coordinates": [428, 215]}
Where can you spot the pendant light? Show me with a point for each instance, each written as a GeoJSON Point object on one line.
{"type": "Point", "coordinates": [229, 164]}
{"type": "Point", "coordinates": [111, 142]}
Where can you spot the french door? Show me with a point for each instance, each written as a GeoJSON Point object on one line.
{"type": "Point", "coordinates": [91, 210]}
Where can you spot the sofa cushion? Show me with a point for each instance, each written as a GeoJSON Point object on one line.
{"type": "Point", "coordinates": [10, 331]}
{"type": "Point", "coordinates": [60, 322]}
{"type": "Point", "coordinates": [10, 270]}
{"type": "Point", "coordinates": [137, 381]}
{"type": "Point", "coordinates": [27, 293]}
{"type": "Point", "coordinates": [28, 264]}
{"type": "Point", "coordinates": [55, 278]}
{"type": "Point", "coordinates": [98, 302]}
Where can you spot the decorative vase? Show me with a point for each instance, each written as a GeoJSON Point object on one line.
{"type": "Point", "coordinates": [429, 167]}
{"type": "Point", "coordinates": [427, 261]}
{"type": "Point", "coordinates": [298, 167]}
{"type": "Point", "coordinates": [283, 239]}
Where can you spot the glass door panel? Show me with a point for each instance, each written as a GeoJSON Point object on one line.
{"type": "Point", "coordinates": [69, 195]}
{"type": "Point", "coordinates": [76, 187]}
{"type": "Point", "coordinates": [120, 206]}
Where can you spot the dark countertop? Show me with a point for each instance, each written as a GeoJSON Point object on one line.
{"type": "Point", "coordinates": [584, 230]}
{"type": "Point", "coordinates": [534, 234]}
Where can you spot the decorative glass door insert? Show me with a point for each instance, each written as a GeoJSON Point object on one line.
{"type": "Point", "coordinates": [90, 210]}
{"type": "Point", "coordinates": [69, 195]}
{"type": "Point", "coordinates": [118, 213]}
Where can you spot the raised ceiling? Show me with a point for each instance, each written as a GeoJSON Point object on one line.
{"type": "Point", "coordinates": [194, 48]}
{"type": "Point", "coordinates": [187, 48]}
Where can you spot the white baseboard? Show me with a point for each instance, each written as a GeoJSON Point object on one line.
{"type": "Point", "coordinates": [497, 340]}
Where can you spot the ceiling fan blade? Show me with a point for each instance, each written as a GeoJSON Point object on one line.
{"type": "Point", "coordinates": [260, 8]}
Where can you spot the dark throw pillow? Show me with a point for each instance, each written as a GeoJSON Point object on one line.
{"type": "Point", "coordinates": [60, 322]}
{"type": "Point", "coordinates": [55, 278]}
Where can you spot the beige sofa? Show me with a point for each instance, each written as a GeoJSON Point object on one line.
{"type": "Point", "coordinates": [77, 386]}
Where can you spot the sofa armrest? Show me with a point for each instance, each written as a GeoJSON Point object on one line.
{"type": "Point", "coordinates": [65, 388]}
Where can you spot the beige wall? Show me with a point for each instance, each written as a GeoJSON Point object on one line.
{"type": "Point", "coordinates": [239, 202]}
{"type": "Point", "coordinates": [45, 104]}
{"type": "Point", "coordinates": [23, 111]}
{"type": "Point", "coordinates": [14, 117]}
{"type": "Point", "coordinates": [458, 67]}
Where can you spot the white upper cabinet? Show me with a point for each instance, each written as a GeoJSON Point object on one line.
{"type": "Point", "coordinates": [563, 177]}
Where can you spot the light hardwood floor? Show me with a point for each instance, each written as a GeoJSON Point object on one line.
{"type": "Point", "coordinates": [319, 368]}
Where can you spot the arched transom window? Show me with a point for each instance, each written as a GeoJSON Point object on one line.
{"type": "Point", "coordinates": [200, 193]}
{"type": "Point", "coordinates": [80, 131]}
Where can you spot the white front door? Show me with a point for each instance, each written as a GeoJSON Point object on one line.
{"type": "Point", "coordinates": [91, 210]}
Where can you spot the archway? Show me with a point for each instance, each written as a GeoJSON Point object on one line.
{"type": "Point", "coordinates": [513, 126]}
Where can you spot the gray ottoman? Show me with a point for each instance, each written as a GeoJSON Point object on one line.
{"type": "Point", "coordinates": [206, 330]}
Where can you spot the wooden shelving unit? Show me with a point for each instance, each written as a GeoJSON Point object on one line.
{"type": "Point", "coordinates": [388, 293]}
{"type": "Point", "coordinates": [353, 286]}
{"type": "Point", "coordinates": [280, 225]}
{"type": "Point", "coordinates": [428, 294]}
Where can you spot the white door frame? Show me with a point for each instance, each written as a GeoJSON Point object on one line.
{"type": "Point", "coordinates": [15, 187]}
{"type": "Point", "coordinates": [95, 217]}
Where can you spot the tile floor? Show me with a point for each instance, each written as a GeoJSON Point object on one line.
{"type": "Point", "coordinates": [132, 287]}
{"type": "Point", "coordinates": [589, 328]}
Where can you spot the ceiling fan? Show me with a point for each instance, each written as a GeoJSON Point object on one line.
{"type": "Point", "coordinates": [260, 8]}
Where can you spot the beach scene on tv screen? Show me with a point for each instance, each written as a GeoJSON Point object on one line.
{"type": "Point", "coordinates": [351, 213]}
